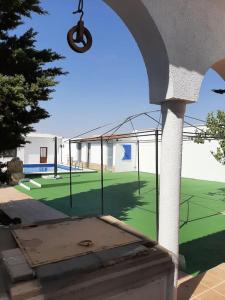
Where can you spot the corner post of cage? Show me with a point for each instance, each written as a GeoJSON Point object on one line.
{"type": "Point", "coordinates": [70, 162]}
{"type": "Point", "coordinates": [55, 157]}
{"type": "Point", "coordinates": [102, 179]}
{"type": "Point", "coordinates": [138, 164]}
{"type": "Point", "coordinates": [157, 180]}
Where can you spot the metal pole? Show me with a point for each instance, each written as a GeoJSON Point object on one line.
{"type": "Point", "coordinates": [102, 178]}
{"type": "Point", "coordinates": [70, 160]}
{"type": "Point", "coordinates": [61, 152]}
{"type": "Point", "coordinates": [55, 159]}
{"type": "Point", "coordinates": [157, 180]}
{"type": "Point", "coordinates": [138, 155]}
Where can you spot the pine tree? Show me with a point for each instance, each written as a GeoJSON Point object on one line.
{"type": "Point", "coordinates": [24, 77]}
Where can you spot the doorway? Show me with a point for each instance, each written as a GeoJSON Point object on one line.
{"type": "Point", "coordinates": [43, 155]}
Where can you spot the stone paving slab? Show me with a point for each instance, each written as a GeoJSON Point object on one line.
{"type": "Point", "coordinates": [25, 290]}
{"type": "Point", "coordinates": [16, 265]}
{"type": "Point", "coordinates": [8, 194]}
{"type": "Point", "coordinates": [209, 286]}
{"type": "Point", "coordinates": [30, 211]}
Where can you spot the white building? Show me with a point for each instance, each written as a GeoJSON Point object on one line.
{"type": "Point", "coordinates": [39, 149]}
{"type": "Point", "coordinates": [120, 154]}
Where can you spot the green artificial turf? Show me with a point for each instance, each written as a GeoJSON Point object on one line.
{"type": "Point", "coordinates": [202, 225]}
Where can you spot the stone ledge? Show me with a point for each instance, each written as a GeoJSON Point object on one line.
{"type": "Point", "coordinates": [16, 265]}
{"type": "Point", "coordinates": [25, 290]}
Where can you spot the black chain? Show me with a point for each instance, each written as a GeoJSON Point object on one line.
{"type": "Point", "coordinates": [81, 5]}
{"type": "Point", "coordinates": [80, 9]}
{"type": "Point", "coordinates": [79, 34]}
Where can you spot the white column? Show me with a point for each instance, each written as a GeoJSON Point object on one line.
{"type": "Point", "coordinates": [170, 178]}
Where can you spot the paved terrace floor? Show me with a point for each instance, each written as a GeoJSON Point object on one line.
{"type": "Point", "coordinates": [206, 286]}
{"type": "Point", "coordinates": [17, 204]}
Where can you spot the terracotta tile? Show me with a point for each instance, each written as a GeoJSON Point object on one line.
{"type": "Point", "coordinates": [211, 295]}
{"type": "Point", "coordinates": [211, 280]}
{"type": "Point", "coordinates": [218, 272]}
{"type": "Point", "coordinates": [221, 288]}
{"type": "Point", "coordinates": [221, 266]}
{"type": "Point", "coordinates": [199, 289]}
{"type": "Point", "coordinates": [190, 289]}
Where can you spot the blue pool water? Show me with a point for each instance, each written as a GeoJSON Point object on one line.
{"type": "Point", "coordinates": [46, 168]}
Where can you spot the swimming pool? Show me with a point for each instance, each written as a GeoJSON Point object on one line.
{"type": "Point", "coordinates": [47, 168]}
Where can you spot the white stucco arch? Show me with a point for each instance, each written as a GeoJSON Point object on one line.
{"type": "Point", "coordinates": [179, 41]}
{"type": "Point", "coordinates": [219, 67]}
{"type": "Point", "coordinates": [147, 36]}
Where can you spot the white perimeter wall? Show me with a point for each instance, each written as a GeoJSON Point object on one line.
{"type": "Point", "coordinates": [95, 152]}
{"type": "Point", "coordinates": [125, 165]}
{"type": "Point", "coordinates": [147, 155]}
{"type": "Point", "coordinates": [65, 152]}
{"type": "Point", "coordinates": [197, 162]}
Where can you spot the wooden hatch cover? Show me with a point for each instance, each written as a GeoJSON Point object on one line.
{"type": "Point", "coordinates": [50, 243]}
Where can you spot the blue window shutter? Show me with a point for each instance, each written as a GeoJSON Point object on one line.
{"type": "Point", "coordinates": [127, 152]}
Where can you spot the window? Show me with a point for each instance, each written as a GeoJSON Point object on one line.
{"type": "Point", "coordinates": [127, 152]}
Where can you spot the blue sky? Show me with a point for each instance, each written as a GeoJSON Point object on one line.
{"type": "Point", "coordinates": [107, 83]}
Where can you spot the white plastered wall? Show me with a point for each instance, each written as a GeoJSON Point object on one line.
{"type": "Point", "coordinates": [65, 152]}
{"type": "Point", "coordinates": [95, 153]}
{"type": "Point", "coordinates": [179, 41]}
{"type": "Point", "coordinates": [125, 165]}
{"type": "Point", "coordinates": [147, 155]}
{"type": "Point", "coordinates": [32, 149]}
{"type": "Point", "coordinates": [197, 161]}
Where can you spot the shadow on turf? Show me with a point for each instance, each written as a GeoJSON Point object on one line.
{"type": "Point", "coordinates": [188, 220]}
{"type": "Point", "coordinates": [200, 254]}
{"type": "Point", "coordinates": [204, 253]}
{"type": "Point", "coordinates": [220, 192]}
{"type": "Point", "coordinates": [118, 200]}
{"type": "Point", "coordinates": [57, 183]}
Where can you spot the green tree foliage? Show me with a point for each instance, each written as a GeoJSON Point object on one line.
{"type": "Point", "coordinates": [215, 129]}
{"type": "Point", "coordinates": [26, 74]}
